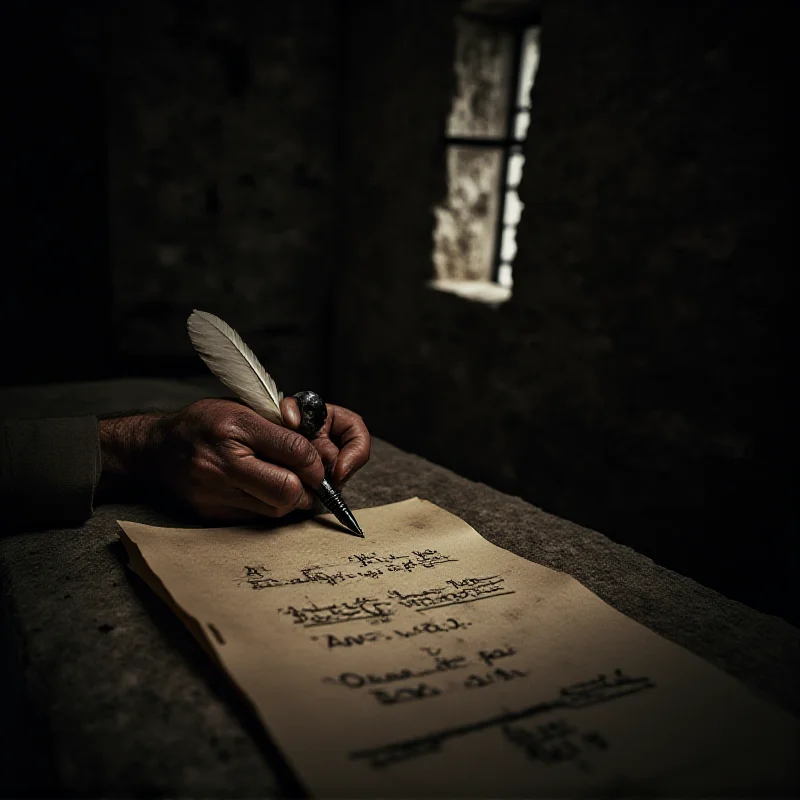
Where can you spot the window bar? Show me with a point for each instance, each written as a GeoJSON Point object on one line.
{"type": "Point", "coordinates": [519, 37]}
{"type": "Point", "coordinates": [481, 141]}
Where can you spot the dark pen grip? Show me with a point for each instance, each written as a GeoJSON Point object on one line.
{"type": "Point", "coordinates": [331, 499]}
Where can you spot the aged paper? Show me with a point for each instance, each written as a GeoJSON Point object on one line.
{"type": "Point", "coordinates": [424, 661]}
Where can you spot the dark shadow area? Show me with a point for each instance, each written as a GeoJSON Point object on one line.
{"type": "Point", "coordinates": [57, 295]}
{"type": "Point", "coordinates": [26, 749]}
{"type": "Point", "coordinates": [180, 515]}
{"type": "Point", "coordinates": [639, 380]}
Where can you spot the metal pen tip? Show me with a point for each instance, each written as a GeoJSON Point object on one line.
{"type": "Point", "coordinates": [357, 531]}
{"type": "Point", "coordinates": [333, 501]}
{"type": "Point", "coordinates": [349, 521]}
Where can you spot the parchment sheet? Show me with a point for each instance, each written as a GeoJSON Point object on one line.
{"type": "Point", "coordinates": [424, 661]}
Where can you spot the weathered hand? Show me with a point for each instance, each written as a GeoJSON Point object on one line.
{"type": "Point", "coordinates": [343, 442]}
{"type": "Point", "coordinates": [225, 461]}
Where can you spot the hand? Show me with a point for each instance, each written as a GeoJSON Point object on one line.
{"type": "Point", "coordinates": [225, 461]}
{"type": "Point", "coordinates": [343, 443]}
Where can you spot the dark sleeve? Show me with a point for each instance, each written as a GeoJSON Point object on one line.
{"type": "Point", "coordinates": [49, 469]}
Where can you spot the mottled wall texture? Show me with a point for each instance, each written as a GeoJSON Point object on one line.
{"type": "Point", "coordinates": [223, 129]}
{"type": "Point", "coordinates": [632, 383]}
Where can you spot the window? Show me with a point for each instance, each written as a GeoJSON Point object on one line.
{"type": "Point", "coordinates": [475, 236]}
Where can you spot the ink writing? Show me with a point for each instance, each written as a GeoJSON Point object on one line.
{"type": "Point", "coordinates": [441, 664]}
{"type": "Point", "coordinates": [454, 592]}
{"type": "Point", "coordinates": [575, 696]}
{"type": "Point", "coordinates": [355, 680]}
{"type": "Point", "coordinates": [358, 565]}
{"type": "Point", "coordinates": [314, 615]}
{"type": "Point", "coordinates": [331, 640]}
{"type": "Point", "coordinates": [556, 742]}
{"type": "Point", "coordinates": [450, 624]}
{"type": "Point", "coordinates": [408, 563]}
{"type": "Point", "coordinates": [407, 694]}
{"type": "Point", "coordinates": [498, 675]}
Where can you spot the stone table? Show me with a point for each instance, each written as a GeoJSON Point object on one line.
{"type": "Point", "coordinates": [109, 695]}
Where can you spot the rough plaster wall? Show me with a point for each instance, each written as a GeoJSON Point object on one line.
{"type": "Point", "coordinates": [631, 382]}
{"type": "Point", "coordinates": [222, 168]}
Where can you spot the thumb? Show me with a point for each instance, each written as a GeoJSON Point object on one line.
{"type": "Point", "coordinates": [291, 413]}
{"type": "Point", "coordinates": [327, 450]}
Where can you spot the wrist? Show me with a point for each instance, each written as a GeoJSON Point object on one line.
{"type": "Point", "coordinates": [129, 446]}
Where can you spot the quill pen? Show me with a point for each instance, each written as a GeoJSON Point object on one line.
{"type": "Point", "coordinates": [234, 363]}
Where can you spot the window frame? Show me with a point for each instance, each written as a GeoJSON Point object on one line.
{"type": "Point", "coordinates": [507, 145]}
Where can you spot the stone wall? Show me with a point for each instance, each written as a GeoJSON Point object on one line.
{"type": "Point", "coordinates": [222, 144]}
{"type": "Point", "coordinates": [632, 383]}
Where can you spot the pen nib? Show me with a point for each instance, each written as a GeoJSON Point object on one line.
{"type": "Point", "coordinates": [332, 500]}
{"type": "Point", "coordinates": [349, 521]}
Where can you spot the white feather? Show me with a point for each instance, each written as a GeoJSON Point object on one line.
{"type": "Point", "coordinates": [235, 364]}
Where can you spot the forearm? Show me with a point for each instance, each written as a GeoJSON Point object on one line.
{"type": "Point", "coordinates": [49, 469]}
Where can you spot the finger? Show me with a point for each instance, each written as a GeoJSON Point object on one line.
{"type": "Point", "coordinates": [290, 411]}
{"type": "Point", "coordinates": [234, 506]}
{"type": "Point", "coordinates": [271, 485]}
{"type": "Point", "coordinates": [328, 452]}
{"type": "Point", "coordinates": [226, 514]}
{"type": "Point", "coordinates": [349, 430]}
{"type": "Point", "coordinates": [246, 507]}
{"type": "Point", "coordinates": [284, 447]}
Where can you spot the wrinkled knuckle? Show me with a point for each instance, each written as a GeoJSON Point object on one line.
{"type": "Point", "coordinates": [228, 427]}
{"type": "Point", "coordinates": [355, 420]}
{"type": "Point", "coordinates": [300, 450]}
{"type": "Point", "coordinates": [199, 406]}
{"type": "Point", "coordinates": [198, 466]}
